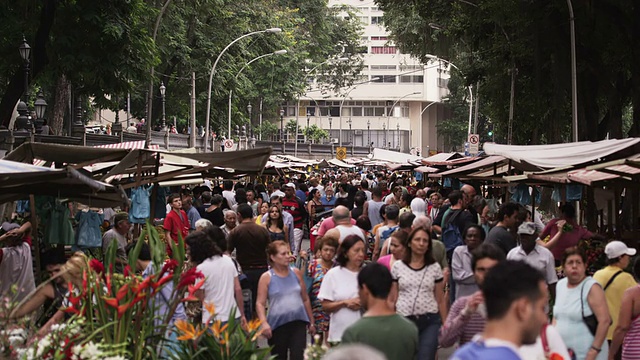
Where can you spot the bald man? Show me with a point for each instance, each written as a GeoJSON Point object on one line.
{"type": "Point", "coordinates": [344, 228]}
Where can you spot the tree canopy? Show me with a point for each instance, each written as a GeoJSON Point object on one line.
{"type": "Point", "coordinates": [105, 50]}
{"type": "Point", "coordinates": [492, 39]}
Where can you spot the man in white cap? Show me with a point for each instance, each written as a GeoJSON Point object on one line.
{"type": "Point", "coordinates": [614, 280]}
{"type": "Point", "coordinates": [535, 254]}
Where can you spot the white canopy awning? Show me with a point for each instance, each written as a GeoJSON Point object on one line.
{"type": "Point", "coordinates": [559, 155]}
{"type": "Point", "coordinates": [393, 156]}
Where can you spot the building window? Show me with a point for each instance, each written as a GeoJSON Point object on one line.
{"type": "Point", "coordinates": [383, 50]}
{"type": "Point", "coordinates": [356, 111]}
{"type": "Point", "coordinates": [383, 67]}
{"type": "Point", "coordinates": [443, 83]}
{"type": "Point", "coordinates": [384, 78]}
{"type": "Point", "coordinates": [411, 67]}
{"type": "Point", "coordinates": [374, 8]}
{"type": "Point", "coordinates": [364, 20]}
{"type": "Point", "coordinates": [376, 20]}
{"type": "Point", "coordinates": [411, 79]}
{"type": "Point", "coordinates": [384, 38]}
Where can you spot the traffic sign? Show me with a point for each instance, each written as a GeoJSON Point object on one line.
{"type": "Point", "coordinates": [341, 153]}
{"type": "Point", "coordinates": [474, 143]}
{"type": "Point", "coordinates": [228, 144]}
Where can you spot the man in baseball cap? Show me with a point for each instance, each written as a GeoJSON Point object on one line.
{"type": "Point", "coordinates": [614, 280]}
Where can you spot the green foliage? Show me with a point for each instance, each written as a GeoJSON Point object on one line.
{"type": "Point", "coordinates": [491, 39]}
{"type": "Point", "coordinates": [267, 130]}
{"type": "Point", "coordinates": [291, 126]}
{"type": "Point", "coordinates": [315, 133]}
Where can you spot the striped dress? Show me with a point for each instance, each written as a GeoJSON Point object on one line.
{"type": "Point", "coordinates": [631, 343]}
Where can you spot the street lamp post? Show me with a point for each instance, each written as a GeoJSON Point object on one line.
{"type": "Point", "coordinates": [574, 81]}
{"type": "Point", "coordinates": [249, 110]}
{"type": "Point", "coordinates": [41, 108]}
{"type": "Point", "coordinates": [468, 87]}
{"type": "Point", "coordinates": [279, 52]}
{"type": "Point", "coordinates": [398, 133]}
{"type": "Point", "coordinates": [345, 98]}
{"type": "Point", "coordinates": [282, 129]}
{"type": "Point", "coordinates": [393, 107]}
{"type": "Point", "coordinates": [369, 132]}
{"type": "Point", "coordinates": [384, 131]}
{"type": "Point", "coordinates": [330, 139]}
{"type": "Point", "coordinates": [213, 70]}
{"type": "Point", "coordinates": [163, 90]}
{"type": "Point", "coordinates": [306, 136]}
{"type": "Point", "coordinates": [22, 122]}
{"type": "Point", "coordinates": [25, 54]}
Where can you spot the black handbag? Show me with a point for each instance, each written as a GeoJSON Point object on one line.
{"type": "Point", "coordinates": [591, 321]}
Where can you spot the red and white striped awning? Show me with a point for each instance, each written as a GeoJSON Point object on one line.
{"type": "Point", "coordinates": [128, 145]}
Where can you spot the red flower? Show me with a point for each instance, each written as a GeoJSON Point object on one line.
{"type": "Point", "coordinates": [127, 271]}
{"type": "Point", "coordinates": [96, 266]}
{"type": "Point", "coordinates": [191, 291]}
{"type": "Point", "coordinates": [169, 265]}
{"type": "Point", "coordinates": [189, 277]}
{"type": "Point", "coordinates": [160, 282]}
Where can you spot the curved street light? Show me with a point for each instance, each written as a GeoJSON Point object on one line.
{"type": "Point", "coordinates": [468, 87]}
{"type": "Point", "coordinates": [213, 70]}
{"type": "Point", "coordinates": [307, 74]}
{"type": "Point", "coordinates": [345, 98]}
{"type": "Point", "coordinates": [279, 52]}
{"type": "Point", "coordinates": [394, 105]}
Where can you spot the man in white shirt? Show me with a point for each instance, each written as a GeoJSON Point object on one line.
{"type": "Point", "coordinates": [535, 255]}
{"type": "Point", "coordinates": [228, 193]}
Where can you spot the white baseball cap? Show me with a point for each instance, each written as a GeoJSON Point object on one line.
{"type": "Point", "coordinates": [291, 185]}
{"type": "Point", "coordinates": [616, 249]}
{"type": "Point", "coordinates": [527, 228]}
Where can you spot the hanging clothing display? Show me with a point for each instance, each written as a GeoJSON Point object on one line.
{"type": "Point", "coordinates": [55, 216]}
{"type": "Point", "coordinates": [88, 234]}
{"type": "Point", "coordinates": [140, 204]}
{"type": "Point", "coordinates": [573, 192]}
{"type": "Point", "coordinates": [160, 210]}
{"type": "Point", "coordinates": [521, 194]}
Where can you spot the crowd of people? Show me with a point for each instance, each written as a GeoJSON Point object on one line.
{"type": "Point", "coordinates": [405, 269]}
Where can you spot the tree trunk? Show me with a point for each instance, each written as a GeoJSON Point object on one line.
{"type": "Point", "coordinates": [61, 99]}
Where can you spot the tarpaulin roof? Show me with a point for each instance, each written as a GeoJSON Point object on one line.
{"type": "Point", "coordinates": [558, 155]}
{"type": "Point", "coordinates": [487, 162]}
{"type": "Point", "coordinates": [18, 180]}
{"type": "Point", "coordinates": [69, 154]}
{"type": "Point", "coordinates": [393, 156]}
{"type": "Point", "coordinates": [440, 157]}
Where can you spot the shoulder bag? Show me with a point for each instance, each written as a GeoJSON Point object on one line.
{"type": "Point", "coordinates": [591, 321]}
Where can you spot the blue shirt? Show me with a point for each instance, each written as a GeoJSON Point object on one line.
{"type": "Point", "coordinates": [478, 350]}
{"type": "Point", "coordinates": [285, 301]}
{"type": "Point", "coordinates": [301, 195]}
{"type": "Point", "coordinates": [193, 216]}
{"type": "Point", "coordinates": [326, 202]}
{"type": "Point", "coordinates": [163, 300]}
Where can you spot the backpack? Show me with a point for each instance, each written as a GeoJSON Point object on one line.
{"type": "Point", "coordinates": [451, 236]}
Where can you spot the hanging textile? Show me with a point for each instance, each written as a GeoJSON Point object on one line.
{"type": "Point", "coordinates": [521, 195]}
{"type": "Point", "coordinates": [573, 192]}
{"type": "Point", "coordinates": [140, 205]}
{"type": "Point", "coordinates": [55, 216]}
{"type": "Point", "coordinates": [88, 234]}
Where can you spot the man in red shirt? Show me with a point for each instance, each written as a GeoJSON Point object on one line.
{"type": "Point", "coordinates": [295, 207]}
{"type": "Point", "coordinates": [176, 221]}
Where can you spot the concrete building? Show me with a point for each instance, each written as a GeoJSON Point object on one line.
{"type": "Point", "coordinates": [386, 109]}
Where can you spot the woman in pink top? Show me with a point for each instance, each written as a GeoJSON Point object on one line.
{"type": "Point", "coordinates": [627, 333]}
{"type": "Point", "coordinates": [398, 245]}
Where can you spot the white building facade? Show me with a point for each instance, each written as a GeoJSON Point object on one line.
{"type": "Point", "coordinates": [397, 103]}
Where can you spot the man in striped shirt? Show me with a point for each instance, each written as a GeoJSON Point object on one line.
{"type": "Point", "coordinates": [468, 314]}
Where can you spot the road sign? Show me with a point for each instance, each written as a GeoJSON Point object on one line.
{"type": "Point", "coordinates": [341, 153]}
{"type": "Point", "coordinates": [228, 144]}
{"type": "Point", "coordinates": [474, 143]}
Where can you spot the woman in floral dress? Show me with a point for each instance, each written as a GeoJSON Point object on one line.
{"type": "Point", "coordinates": [318, 267]}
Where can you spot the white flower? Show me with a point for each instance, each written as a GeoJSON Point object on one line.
{"type": "Point", "coordinates": [119, 357]}
{"type": "Point", "coordinates": [90, 351]}
{"type": "Point", "coordinates": [77, 350]}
